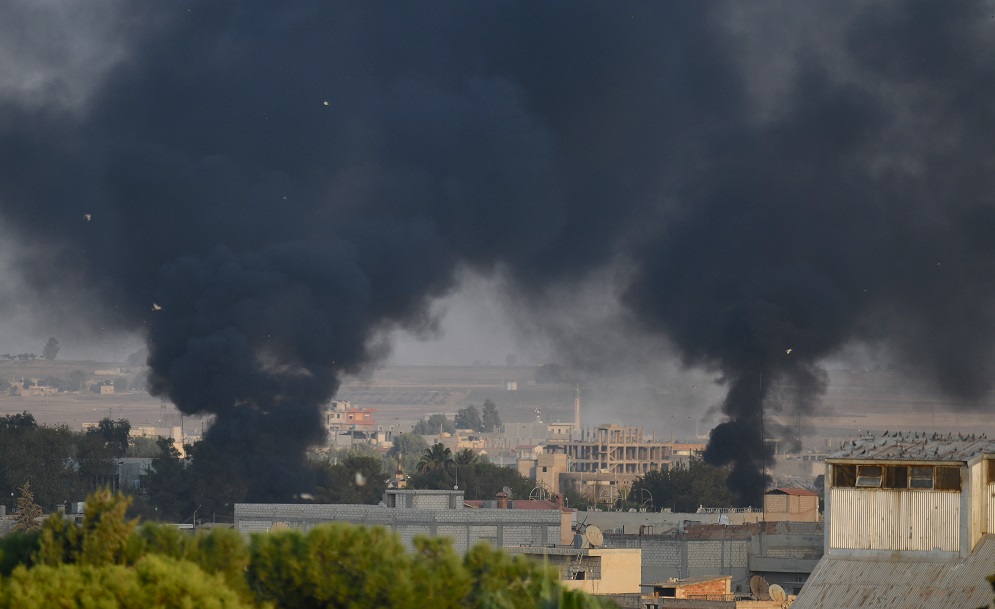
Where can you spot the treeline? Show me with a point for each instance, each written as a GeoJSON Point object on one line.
{"type": "Point", "coordinates": [111, 562]}
{"type": "Point", "coordinates": [683, 488]}
{"type": "Point", "coordinates": [487, 421]}
{"type": "Point", "coordinates": [61, 464]}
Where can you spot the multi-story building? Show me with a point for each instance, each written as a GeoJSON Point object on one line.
{"type": "Point", "coordinates": [347, 424]}
{"type": "Point", "coordinates": [601, 462]}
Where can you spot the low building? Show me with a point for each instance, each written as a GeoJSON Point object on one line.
{"type": "Point", "coordinates": [909, 523]}
{"type": "Point", "coordinates": [784, 553]}
{"type": "Point", "coordinates": [710, 593]}
{"type": "Point", "coordinates": [411, 513]}
{"type": "Point", "coordinates": [791, 504]}
{"type": "Point", "coordinates": [602, 571]}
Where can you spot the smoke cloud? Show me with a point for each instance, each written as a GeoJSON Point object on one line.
{"type": "Point", "coordinates": [284, 183]}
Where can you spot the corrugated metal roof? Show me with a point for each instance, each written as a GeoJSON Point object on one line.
{"type": "Point", "coordinates": [908, 583]}
{"type": "Point", "coordinates": [915, 446]}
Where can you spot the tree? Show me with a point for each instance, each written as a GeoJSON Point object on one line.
{"type": "Point", "coordinates": [77, 380]}
{"type": "Point", "coordinates": [465, 456]}
{"type": "Point", "coordinates": [114, 433]}
{"type": "Point", "coordinates": [354, 480]}
{"type": "Point", "coordinates": [468, 418]}
{"type": "Point", "coordinates": [684, 488]}
{"type": "Point", "coordinates": [28, 511]}
{"type": "Point", "coordinates": [51, 348]}
{"type": "Point", "coordinates": [434, 425]}
{"type": "Point", "coordinates": [409, 448]}
{"type": "Point", "coordinates": [438, 458]}
{"type": "Point", "coordinates": [490, 420]}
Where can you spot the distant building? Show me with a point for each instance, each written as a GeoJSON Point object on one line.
{"type": "Point", "coordinates": [347, 425]}
{"type": "Point", "coordinates": [909, 523]}
{"type": "Point", "coordinates": [603, 461]}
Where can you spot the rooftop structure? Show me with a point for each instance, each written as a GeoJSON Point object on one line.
{"type": "Point", "coordinates": [794, 504]}
{"type": "Point", "coordinates": [909, 522]}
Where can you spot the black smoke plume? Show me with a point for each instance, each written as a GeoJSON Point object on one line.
{"type": "Point", "coordinates": [281, 182]}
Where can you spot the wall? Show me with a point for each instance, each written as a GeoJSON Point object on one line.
{"type": "Point", "coordinates": [913, 520]}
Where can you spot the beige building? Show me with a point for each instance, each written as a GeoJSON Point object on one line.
{"type": "Point", "coordinates": [791, 504]}
{"type": "Point", "coordinates": [592, 570]}
{"type": "Point", "coordinates": [601, 462]}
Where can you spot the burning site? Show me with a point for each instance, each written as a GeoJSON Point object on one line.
{"type": "Point", "coordinates": [262, 192]}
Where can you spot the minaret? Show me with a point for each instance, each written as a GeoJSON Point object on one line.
{"type": "Point", "coordinates": [577, 412]}
{"type": "Point", "coordinates": [400, 480]}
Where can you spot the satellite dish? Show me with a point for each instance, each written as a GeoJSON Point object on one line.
{"type": "Point", "coordinates": [581, 542]}
{"type": "Point", "coordinates": [594, 536]}
{"type": "Point", "coordinates": [506, 490]}
{"type": "Point", "coordinates": [760, 588]}
{"type": "Point", "coordinates": [777, 593]}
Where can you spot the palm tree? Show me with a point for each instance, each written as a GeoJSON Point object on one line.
{"type": "Point", "coordinates": [437, 458]}
{"type": "Point", "coordinates": [465, 456]}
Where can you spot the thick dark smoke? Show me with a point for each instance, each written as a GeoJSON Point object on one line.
{"type": "Point", "coordinates": [285, 181]}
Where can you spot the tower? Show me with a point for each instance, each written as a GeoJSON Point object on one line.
{"type": "Point", "coordinates": [577, 411]}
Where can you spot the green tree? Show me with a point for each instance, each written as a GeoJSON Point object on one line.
{"type": "Point", "coordinates": [28, 511]}
{"type": "Point", "coordinates": [115, 434]}
{"type": "Point", "coordinates": [490, 420]}
{"type": "Point", "coordinates": [77, 380]}
{"type": "Point", "coordinates": [408, 446]}
{"type": "Point", "coordinates": [434, 425]}
{"type": "Point", "coordinates": [154, 582]}
{"type": "Point", "coordinates": [352, 480]}
{"type": "Point", "coordinates": [51, 349]}
{"type": "Point", "coordinates": [336, 565]}
{"type": "Point", "coordinates": [684, 488]}
{"type": "Point", "coordinates": [438, 458]}
{"type": "Point", "coordinates": [468, 418]}
{"type": "Point", "coordinates": [465, 456]}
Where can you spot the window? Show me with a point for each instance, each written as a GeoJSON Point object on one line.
{"type": "Point", "coordinates": [922, 477]}
{"type": "Point", "coordinates": [947, 479]}
{"type": "Point", "coordinates": [844, 475]}
{"type": "Point", "coordinates": [896, 476]}
{"type": "Point", "coordinates": [869, 476]}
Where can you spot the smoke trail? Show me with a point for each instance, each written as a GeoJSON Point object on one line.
{"type": "Point", "coordinates": [285, 181]}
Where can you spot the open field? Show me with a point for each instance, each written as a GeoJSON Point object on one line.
{"type": "Point", "coordinates": [403, 394]}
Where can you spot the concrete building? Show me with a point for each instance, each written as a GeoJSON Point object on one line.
{"type": "Point", "coordinates": [602, 571]}
{"type": "Point", "coordinates": [784, 553]}
{"type": "Point", "coordinates": [602, 462]}
{"type": "Point", "coordinates": [348, 425]}
{"type": "Point", "coordinates": [909, 523]}
{"type": "Point", "coordinates": [410, 513]}
{"type": "Point", "coordinates": [793, 504]}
